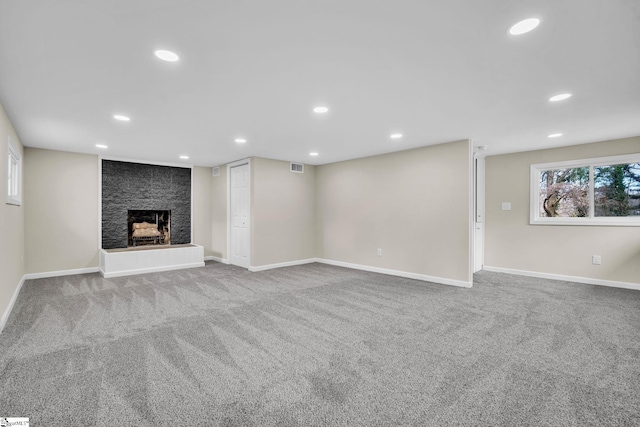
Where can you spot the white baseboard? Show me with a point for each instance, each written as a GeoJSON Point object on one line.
{"type": "Point", "coordinates": [217, 259]}
{"type": "Point", "coordinates": [416, 276]}
{"type": "Point", "coordinates": [282, 264]}
{"type": "Point", "coordinates": [576, 279]}
{"type": "Point", "coordinates": [7, 312]}
{"type": "Point", "coordinates": [150, 270]}
{"type": "Point", "coordinates": [61, 273]}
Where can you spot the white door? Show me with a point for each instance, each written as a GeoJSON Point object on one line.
{"type": "Point", "coordinates": [479, 215]}
{"type": "Point", "coordinates": [240, 218]}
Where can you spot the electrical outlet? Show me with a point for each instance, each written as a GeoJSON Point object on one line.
{"type": "Point", "coordinates": [506, 206]}
{"type": "Point", "coordinates": [596, 259]}
{"type": "Point", "coordinates": [379, 252]}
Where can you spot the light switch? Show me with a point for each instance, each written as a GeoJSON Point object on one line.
{"type": "Point", "coordinates": [506, 206]}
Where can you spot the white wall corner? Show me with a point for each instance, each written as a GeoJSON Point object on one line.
{"type": "Point", "coordinates": [7, 312]}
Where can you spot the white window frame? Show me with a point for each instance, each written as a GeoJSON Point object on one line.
{"type": "Point", "coordinates": [534, 207]}
{"type": "Point", "coordinates": [14, 174]}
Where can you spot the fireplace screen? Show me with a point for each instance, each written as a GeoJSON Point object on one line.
{"type": "Point", "coordinates": [149, 227]}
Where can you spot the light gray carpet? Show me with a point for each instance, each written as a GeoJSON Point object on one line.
{"type": "Point", "coordinates": [318, 345]}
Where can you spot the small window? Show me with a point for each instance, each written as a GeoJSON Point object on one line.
{"type": "Point", "coordinates": [14, 175]}
{"type": "Point", "coordinates": [603, 191]}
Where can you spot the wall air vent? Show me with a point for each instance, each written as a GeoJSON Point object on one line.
{"type": "Point", "coordinates": [297, 167]}
{"type": "Point", "coordinates": [216, 171]}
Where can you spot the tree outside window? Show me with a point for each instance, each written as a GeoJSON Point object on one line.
{"type": "Point", "coordinates": [617, 190]}
{"type": "Point", "coordinates": [564, 192]}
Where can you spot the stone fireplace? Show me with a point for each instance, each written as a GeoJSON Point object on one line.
{"type": "Point", "coordinates": [135, 193]}
{"type": "Point", "coordinates": [148, 227]}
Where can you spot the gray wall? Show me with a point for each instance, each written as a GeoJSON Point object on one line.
{"type": "Point", "coordinates": [283, 212]}
{"type": "Point", "coordinates": [202, 183]}
{"type": "Point", "coordinates": [414, 205]}
{"type": "Point", "coordinates": [127, 186]}
{"type": "Point", "coordinates": [61, 210]}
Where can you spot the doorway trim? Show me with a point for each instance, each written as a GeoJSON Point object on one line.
{"type": "Point", "coordinates": [229, 166]}
{"type": "Point", "coordinates": [479, 211]}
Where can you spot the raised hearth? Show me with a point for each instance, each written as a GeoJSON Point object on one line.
{"type": "Point", "coordinates": [141, 259]}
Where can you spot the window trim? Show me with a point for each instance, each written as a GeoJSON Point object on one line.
{"type": "Point", "coordinates": [14, 153]}
{"type": "Point", "coordinates": [534, 192]}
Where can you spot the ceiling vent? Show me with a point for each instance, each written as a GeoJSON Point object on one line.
{"type": "Point", "coordinates": [216, 171]}
{"type": "Point", "coordinates": [297, 167]}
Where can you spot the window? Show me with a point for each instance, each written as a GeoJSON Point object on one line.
{"type": "Point", "coordinates": [14, 175]}
{"type": "Point", "coordinates": [603, 191]}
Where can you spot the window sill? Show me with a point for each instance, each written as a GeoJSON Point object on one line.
{"type": "Point", "coordinates": [615, 222]}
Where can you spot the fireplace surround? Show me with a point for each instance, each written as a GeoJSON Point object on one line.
{"type": "Point", "coordinates": [136, 187]}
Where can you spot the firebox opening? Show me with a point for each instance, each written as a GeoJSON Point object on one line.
{"type": "Point", "coordinates": [148, 227]}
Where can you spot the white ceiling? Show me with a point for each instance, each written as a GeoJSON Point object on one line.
{"type": "Point", "coordinates": [434, 70]}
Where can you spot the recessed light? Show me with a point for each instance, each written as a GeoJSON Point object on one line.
{"type": "Point", "coordinates": [101, 146]}
{"type": "Point", "coordinates": [121, 117]}
{"type": "Point", "coordinates": [240, 140]}
{"type": "Point", "coordinates": [313, 153]}
{"type": "Point", "coordinates": [166, 55]}
{"type": "Point", "coordinates": [560, 97]}
{"type": "Point", "coordinates": [395, 136]}
{"type": "Point", "coordinates": [320, 110]}
{"type": "Point", "coordinates": [524, 26]}
{"type": "Point", "coordinates": [184, 157]}
{"type": "Point", "coordinates": [554, 135]}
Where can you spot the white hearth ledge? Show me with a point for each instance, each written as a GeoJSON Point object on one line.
{"type": "Point", "coordinates": [114, 263]}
